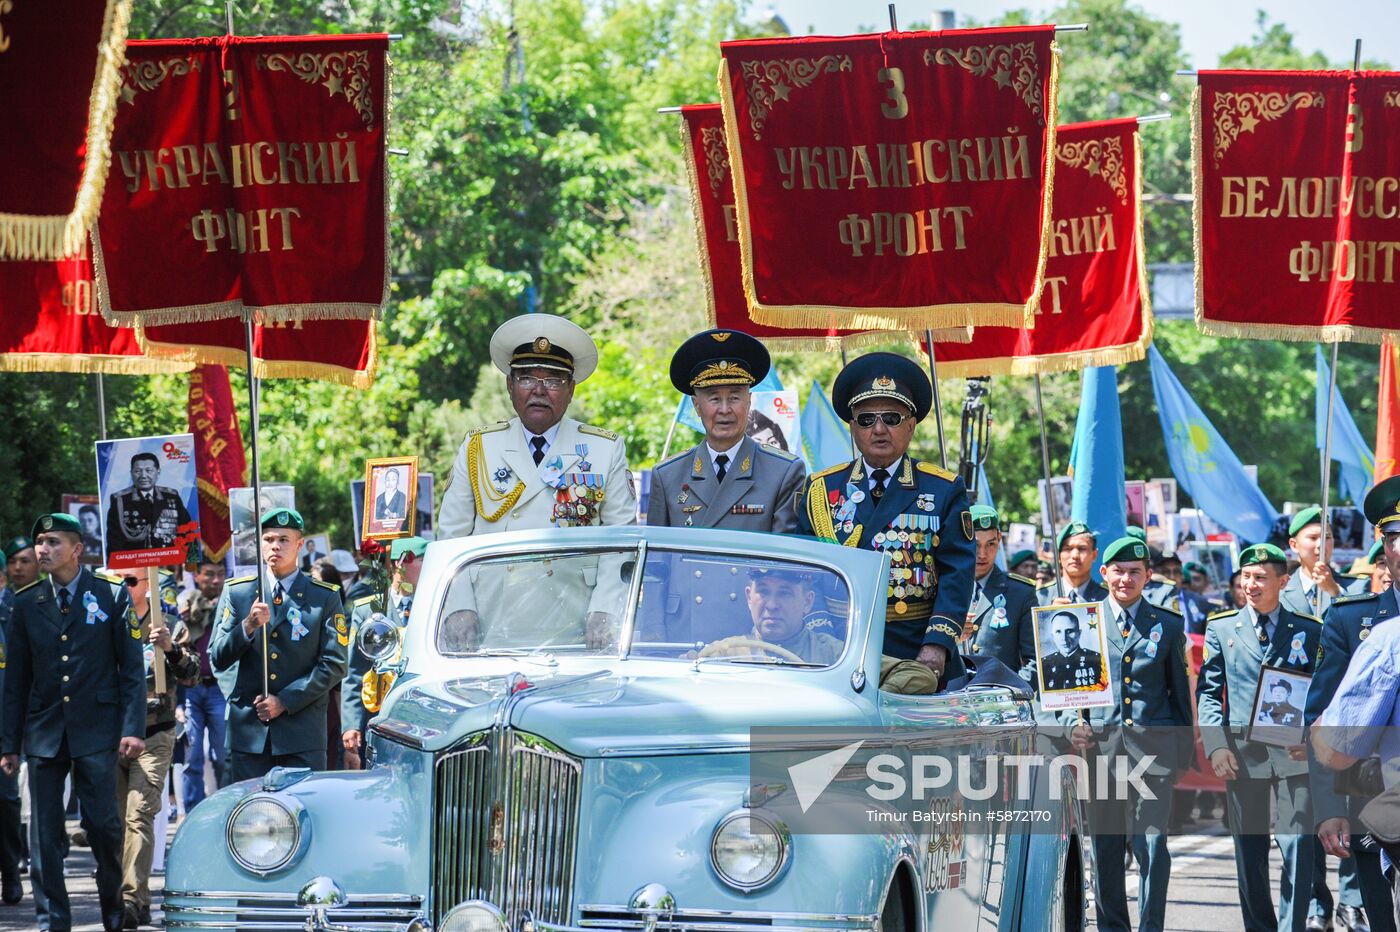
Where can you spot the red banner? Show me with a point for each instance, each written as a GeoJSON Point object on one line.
{"type": "Point", "coordinates": [59, 73]}
{"type": "Point", "coordinates": [892, 181]}
{"type": "Point", "coordinates": [1297, 204]}
{"type": "Point", "coordinates": [344, 351]}
{"type": "Point", "coordinates": [49, 323]}
{"type": "Point", "coordinates": [248, 176]}
{"type": "Point", "coordinates": [1095, 309]}
{"type": "Point", "coordinates": [219, 459]}
{"type": "Point", "coordinates": [717, 241]}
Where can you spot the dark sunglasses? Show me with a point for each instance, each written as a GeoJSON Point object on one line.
{"type": "Point", "coordinates": [891, 418]}
{"type": "Point", "coordinates": [131, 582]}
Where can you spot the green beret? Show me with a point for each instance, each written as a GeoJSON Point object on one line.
{"type": "Point", "coordinates": [414, 545]}
{"type": "Point", "coordinates": [1138, 533]}
{"type": "Point", "coordinates": [14, 546]}
{"type": "Point", "coordinates": [1193, 567]}
{"type": "Point", "coordinates": [1073, 529]}
{"type": "Point", "coordinates": [1021, 556]}
{"type": "Point", "coordinates": [1262, 553]}
{"type": "Point", "coordinates": [1382, 505]}
{"type": "Point", "coordinates": [1374, 557]}
{"type": "Point", "coordinates": [1125, 548]}
{"type": "Point", "coordinates": [984, 518]}
{"type": "Point", "coordinates": [58, 521]}
{"type": "Point", "coordinates": [1310, 515]}
{"type": "Point", "coordinates": [279, 518]}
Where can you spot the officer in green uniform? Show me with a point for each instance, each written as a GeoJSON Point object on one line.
{"type": "Point", "coordinates": [1150, 719]}
{"type": "Point", "coordinates": [406, 556]}
{"type": "Point", "coordinates": [1023, 563]}
{"type": "Point", "coordinates": [144, 516]}
{"type": "Point", "coordinates": [888, 501]}
{"type": "Point", "coordinates": [1078, 548]}
{"type": "Point", "coordinates": [1312, 588]}
{"type": "Point", "coordinates": [75, 698]}
{"type": "Point", "coordinates": [307, 637]}
{"type": "Point", "coordinates": [21, 569]}
{"type": "Point", "coordinates": [1159, 589]}
{"type": "Point", "coordinates": [999, 620]}
{"type": "Point", "coordinates": [1239, 644]}
{"type": "Point", "coordinates": [1349, 621]}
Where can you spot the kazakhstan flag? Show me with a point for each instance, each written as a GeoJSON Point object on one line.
{"type": "Point", "coordinates": [826, 441]}
{"type": "Point", "coordinates": [1203, 463]}
{"type": "Point", "coordinates": [1096, 462]}
{"type": "Point", "coordinates": [1348, 447]}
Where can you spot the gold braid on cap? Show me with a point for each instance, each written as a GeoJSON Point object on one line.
{"type": "Point", "coordinates": [723, 372]}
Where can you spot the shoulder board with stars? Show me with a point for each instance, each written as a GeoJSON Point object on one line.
{"type": "Point", "coordinates": [938, 471]}
{"type": "Point", "coordinates": [597, 431]}
{"type": "Point", "coordinates": [489, 428]}
{"type": "Point", "coordinates": [1358, 597]}
{"type": "Point", "coordinates": [774, 451]}
{"type": "Point", "coordinates": [109, 578]}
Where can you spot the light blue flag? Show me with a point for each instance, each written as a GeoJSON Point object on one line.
{"type": "Point", "coordinates": [826, 441]}
{"type": "Point", "coordinates": [1348, 448]}
{"type": "Point", "coordinates": [1097, 459]}
{"type": "Point", "coordinates": [984, 497]}
{"type": "Point", "coordinates": [685, 411]}
{"type": "Point", "coordinates": [1203, 463]}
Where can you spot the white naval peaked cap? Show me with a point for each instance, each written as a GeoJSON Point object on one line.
{"type": "Point", "coordinates": [535, 341]}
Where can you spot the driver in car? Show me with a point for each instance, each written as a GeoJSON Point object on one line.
{"type": "Point", "coordinates": [779, 601]}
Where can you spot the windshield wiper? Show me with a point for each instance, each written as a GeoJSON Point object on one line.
{"type": "Point", "coordinates": [764, 661]}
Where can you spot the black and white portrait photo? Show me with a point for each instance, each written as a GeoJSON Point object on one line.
{"type": "Point", "coordinates": [1277, 716]}
{"type": "Point", "coordinates": [243, 522]}
{"type": "Point", "coordinates": [391, 493]}
{"type": "Point", "coordinates": [1071, 657]}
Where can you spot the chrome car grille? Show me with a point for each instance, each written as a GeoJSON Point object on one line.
{"type": "Point", "coordinates": [506, 821]}
{"type": "Point", "coordinates": [615, 918]}
{"type": "Point", "coordinates": [278, 912]}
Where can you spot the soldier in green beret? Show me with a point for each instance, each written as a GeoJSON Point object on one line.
{"type": "Point", "coordinates": [1239, 644]}
{"type": "Point", "coordinates": [307, 638]}
{"type": "Point", "coordinates": [22, 569]}
{"type": "Point", "coordinates": [21, 564]}
{"type": "Point", "coordinates": [1312, 588]}
{"type": "Point", "coordinates": [999, 618]}
{"type": "Point", "coordinates": [1078, 549]}
{"type": "Point", "coordinates": [1023, 563]}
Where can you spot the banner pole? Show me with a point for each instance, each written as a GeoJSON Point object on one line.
{"type": "Point", "coordinates": [155, 613]}
{"type": "Point", "coordinates": [1049, 492]}
{"type": "Point", "coordinates": [852, 433]}
{"type": "Point", "coordinates": [670, 435]}
{"type": "Point", "coordinates": [101, 408]}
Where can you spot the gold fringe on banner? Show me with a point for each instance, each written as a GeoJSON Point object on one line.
{"type": "Point", "coordinates": [88, 363]}
{"type": "Point", "coordinates": [45, 238]}
{"type": "Point", "coordinates": [938, 317]}
{"type": "Point", "coordinates": [231, 358]}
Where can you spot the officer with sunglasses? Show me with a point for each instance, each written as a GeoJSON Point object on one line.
{"type": "Point", "coordinates": [886, 500]}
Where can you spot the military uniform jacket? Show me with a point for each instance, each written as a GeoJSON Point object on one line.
{"type": "Point", "coordinates": [1347, 623]}
{"type": "Point", "coordinates": [1229, 677]}
{"type": "Point", "coordinates": [133, 523]}
{"type": "Point", "coordinates": [759, 491]}
{"type": "Point", "coordinates": [1162, 591]}
{"type": "Point", "coordinates": [308, 639]}
{"type": "Point", "coordinates": [496, 486]}
{"type": "Point", "coordinates": [1152, 713]}
{"type": "Point", "coordinates": [1296, 602]}
{"type": "Point", "coordinates": [353, 714]}
{"type": "Point", "coordinates": [922, 522]}
{"type": "Point", "coordinates": [78, 675]}
{"type": "Point", "coordinates": [1046, 593]}
{"type": "Point", "coordinates": [1001, 620]}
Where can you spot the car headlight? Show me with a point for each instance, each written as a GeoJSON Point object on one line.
{"type": "Point", "coordinates": [263, 833]}
{"type": "Point", "coordinates": [473, 916]}
{"type": "Point", "coordinates": [749, 849]}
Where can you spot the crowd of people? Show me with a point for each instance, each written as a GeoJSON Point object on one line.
{"type": "Point", "coordinates": [106, 683]}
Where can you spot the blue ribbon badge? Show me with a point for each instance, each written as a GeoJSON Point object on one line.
{"type": "Point", "coordinates": [552, 472]}
{"type": "Point", "coordinates": [999, 611]}
{"type": "Point", "coordinates": [1154, 637]}
{"type": "Point", "coordinates": [94, 611]}
{"type": "Point", "coordinates": [582, 450]}
{"type": "Point", "coordinates": [1296, 654]}
{"type": "Point", "coordinates": [847, 511]}
{"type": "Point", "coordinates": [299, 630]}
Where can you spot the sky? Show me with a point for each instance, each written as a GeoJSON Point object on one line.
{"type": "Point", "coordinates": [1208, 27]}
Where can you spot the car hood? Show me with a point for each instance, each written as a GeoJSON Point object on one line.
{"type": "Point", "coordinates": [608, 713]}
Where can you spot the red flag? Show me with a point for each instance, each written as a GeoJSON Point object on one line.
{"type": "Point", "coordinates": [1295, 200]}
{"type": "Point", "coordinates": [1095, 309]}
{"type": "Point", "coordinates": [60, 64]}
{"type": "Point", "coordinates": [248, 176]}
{"type": "Point", "coordinates": [219, 460]}
{"type": "Point", "coordinates": [893, 181]}
{"type": "Point", "coordinates": [344, 351]}
{"type": "Point", "coordinates": [1388, 415]}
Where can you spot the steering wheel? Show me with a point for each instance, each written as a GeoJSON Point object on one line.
{"type": "Point", "coordinates": [717, 648]}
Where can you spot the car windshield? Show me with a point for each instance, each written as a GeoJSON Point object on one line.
{"type": "Point", "coordinates": [687, 606]}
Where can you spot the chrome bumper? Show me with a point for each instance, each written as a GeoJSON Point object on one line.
{"type": "Point", "coordinates": [624, 919]}
{"type": "Point", "coordinates": [280, 912]}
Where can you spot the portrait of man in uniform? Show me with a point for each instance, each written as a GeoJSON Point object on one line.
{"type": "Point", "coordinates": [393, 490]}
{"type": "Point", "coordinates": [1278, 707]}
{"type": "Point", "coordinates": [148, 485]}
{"type": "Point", "coordinates": [1070, 653]}
{"type": "Point", "coordinates": [89, 514]}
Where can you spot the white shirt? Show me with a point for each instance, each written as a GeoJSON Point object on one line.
{"type": "Point", "coordinates": [1119, 611]}
{"type": "Point", "coordinates": [732, 452]}
{"type": "Point", "coordinates": [549, 436]}
{"type": "Point", "coordinates": [892, 469]}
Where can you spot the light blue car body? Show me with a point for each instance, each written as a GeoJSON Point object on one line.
{"type": "Point", "coordinates": [635, 762]}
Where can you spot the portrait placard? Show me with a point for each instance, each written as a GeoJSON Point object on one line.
{"type": "Point", "coordinates": [773, 419]}
{"type": "Point", "coordinates": [147, 488]}
{"type": "Point", "coordinates": [1071, 657]}
{"type": "Point", "coordinates": [390, 498]}
{"type": "Point", "coordinates": [89, 515]}
{"type": "Point", "coordinates": [243, 521]}
{"type": "Point", "coordinates": [1277, 715]}
{"type": "Point", "coordinates": [1135, 491]}
{"type": "Point", "coordinates": [1062, 490]}
{"type": "Point", "coordinates": [316, 547]}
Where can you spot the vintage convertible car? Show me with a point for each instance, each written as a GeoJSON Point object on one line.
{"type": "Point", "coordinates": [566, 748]}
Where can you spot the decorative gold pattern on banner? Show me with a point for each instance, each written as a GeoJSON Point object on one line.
{"type": "Point", "coordinates": [1102, 158]}
{"type": "Point", "coordinates": [1234, 113]}
{"type": "Point", "coordinates": [1015, 66]}
{"type": "Point", "coordinates": [344, 73]}
{"type": "Point", "coordinates": [138, 76]}
{"type": "Point", "coordinates": [5, 7]}
{"type": "Point", "coordinates": [772, 81]}
{"type": "Point", "coordinates": [1392, 98]}
{"type": "Point", "coordinates": [716, 158]}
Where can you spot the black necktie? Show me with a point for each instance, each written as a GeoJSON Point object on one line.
{"type": "Point", "coordinates": [721, 466]}
{"type": "Point", "coordinates": [404, 607]}
{"type": "Point", "coordinates": [277, 594]}
{"type": "Point", "coordinates": [1127, 620]}
{"type": "Point", "coordinates": [879, 477]}
{"type": "Point", "coordinates": [63, 601]}
{"type": "Point", "coordinates": [538, 444]}
{"type": "Point", "coordinates": [1261, 627]}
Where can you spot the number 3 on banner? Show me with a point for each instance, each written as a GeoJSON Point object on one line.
{"type": "Point", "coordinates": [1355, 137]}
{"type": "Point", "coordinates": [898, 106]}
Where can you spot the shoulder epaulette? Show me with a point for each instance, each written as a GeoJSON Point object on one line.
{"type": "Point", "coordinates": [489, 428]}
{"type": "Point", "coordinates": [938, 471]}
{"type": "Point", "coordinates": [1355, 597]}
{"type": "Point", "coordinates": [1159, 578]}
{"type": "Point", "coordinates": [251, 577]}
{"type": "Point", "coordinates": [831, 471]}
{"type": "Point", "coordinates": [597, 431]}
{"type": "Point", "coordinates": [774, 451]}
{"type": "Point", "coordinates": [1025, 579]}
{"type": "Point", "coordinates": [1308, 617]}
{"type": "Point", "coordinates": [25, 588]}
{"type": "Point", "coordinates": [1225, 614]}
{"type": "Point", "coordinates": [108, 578]}
{"type": "Point", "coordinates": [1169, 610]}
{"type": "Point", "coordinates": [1365, 576]}
{"type": "Point", "coordinates": [324, 585]}
{"type": "Point", "coordinates": [1048, 582]}
{"type": "Point", "coordinates": [675, 459]}
{"type": "Point", "coordinates": [363, 600]}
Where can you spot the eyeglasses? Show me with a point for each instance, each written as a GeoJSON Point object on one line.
{"type": "Point", "coordinates": [530, 383]}
{"type": "Point", "coordinates": [131, 582]}
{"type": "Point", "coordinates": [867, 419]}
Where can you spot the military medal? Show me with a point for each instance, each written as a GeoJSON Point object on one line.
{"type": "Point", "coordinates": [999, 611]}
{"type": "Point", "coordinates": [94, 611]}
{"type": "Point", "coordinates": [1366, 627]}
{"type": "Point", "coordinates": [582, 450]}
{"type": "Point", "coordinates": [1296, 654]}
{"type": "Point", "coordinates": [684, 497]}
